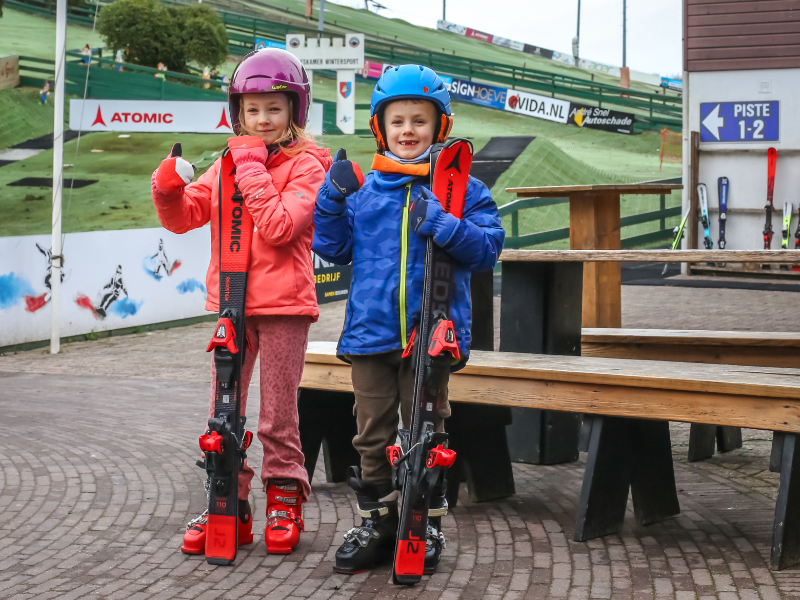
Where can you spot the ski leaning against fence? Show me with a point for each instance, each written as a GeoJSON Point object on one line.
{"type": "Point", "coordinates": [418, 465]}
{"type": "Point", "coordinates": [722, 188]}
{"type": "Point", "coordinates": [702, 194]}
{"type": "Point", "coordinates": [225, 442]}
{"type": "Point", "coordinates": [786, 229]}
{"type": "Point", "coordinates": [678, 236]}
{"type": "Point", "coordinates": [772, 159]}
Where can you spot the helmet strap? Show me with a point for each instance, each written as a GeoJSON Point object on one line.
{"type": "Point", "coordinates": [376, 125]}
{"type": "Point", "coordinates": [444, 128]}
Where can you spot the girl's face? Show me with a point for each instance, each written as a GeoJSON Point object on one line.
{"type": "Point", "coordinates": [266, 115]}
{"type": "Point", "coordinates": [409, 127]}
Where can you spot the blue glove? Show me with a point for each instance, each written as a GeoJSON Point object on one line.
{"type": "Point", "coordinates": [429, 219]}
{"type": "Point", "coordinates": [344, 178]}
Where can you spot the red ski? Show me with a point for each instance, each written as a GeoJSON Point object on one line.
{"type": "Point", "coordinates": [420, 462]}
{"type": "Point", "coordinates": [772, 159]}
{"type": "Point", "coordinates": [225, 441]}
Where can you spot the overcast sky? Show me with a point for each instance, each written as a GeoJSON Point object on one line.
{"type": "Point", "coordinates": [654, 26]}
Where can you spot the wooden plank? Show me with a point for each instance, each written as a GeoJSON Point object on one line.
{"type": "Point", "coordinates": [712, 405]}
{"type": "Point", "coordinates": [761, 42]}
{"type": "Point", "coordinates": [700, 2]}
{"type": "Point", "coordinates": [756, 356]}
{"type": "Point", "coordinates": [727, 8]}
{"type": "Point", "coordinates": [730, 53]}
{"type": "Point", "coordinates": [710, 31]}
{"type": "Point", "coordinates": [743, 64]}
{"type": "Point", "coordinates": [653, 375]}
{"type": "Point", "coordinates": [778, 339]}
{"type": "Point", "coordinates": [561, 190]}
{"type": "Point", "coordinates": [730, 256]}
{"type": "Point", "coordinates": [782, 16]}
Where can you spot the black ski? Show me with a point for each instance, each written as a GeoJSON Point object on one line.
{"type": "Point", "coordinates": [420, 461]}
{"type": "Point", "coordinates": [722, 187]}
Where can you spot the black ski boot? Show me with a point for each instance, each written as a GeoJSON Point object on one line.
{"type": "Point", "coordinates": [435, 542]}
{"type": "Point", "coordinates": [372, 542]}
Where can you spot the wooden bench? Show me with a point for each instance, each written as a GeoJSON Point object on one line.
{"type": "Point", "coordinates": [628, 405]}
{"type": "Point", "coordinates": [750, 348]}
{"type": "Point", "coordinates": [543, 294]}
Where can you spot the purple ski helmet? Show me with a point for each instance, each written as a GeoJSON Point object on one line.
{"type": "Point", "coordinates": [270, 70]}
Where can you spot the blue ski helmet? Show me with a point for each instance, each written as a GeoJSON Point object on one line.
{"type": "Point", "coordinates": [407, 82]}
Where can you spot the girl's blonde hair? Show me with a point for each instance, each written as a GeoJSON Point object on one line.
{"type": "Point", "coordinates": [292, 133]}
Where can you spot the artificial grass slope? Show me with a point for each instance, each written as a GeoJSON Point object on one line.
{"type": "Point", "coordinates": [32, 35]}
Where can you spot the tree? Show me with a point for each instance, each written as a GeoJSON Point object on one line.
{"type": "Point", "coordinates": [152, 33]}
{"type": "Point", "coordinates": [204, 37]}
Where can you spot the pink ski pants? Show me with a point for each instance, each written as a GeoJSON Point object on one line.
{"type": "Point", "coordinates": [280, 341]}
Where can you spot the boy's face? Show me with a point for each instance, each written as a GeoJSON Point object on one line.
{"type": "Point", "coordinates": [409, 126]}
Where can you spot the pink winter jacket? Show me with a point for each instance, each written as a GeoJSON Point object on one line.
{"type": "Point", "coordinates": [281, 274]}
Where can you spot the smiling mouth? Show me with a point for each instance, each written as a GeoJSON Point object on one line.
{"type": "Point", "coordinates": [409, 143]}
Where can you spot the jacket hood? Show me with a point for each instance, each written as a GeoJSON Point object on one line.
{"type": "Point", "coordinates": [323, 155]}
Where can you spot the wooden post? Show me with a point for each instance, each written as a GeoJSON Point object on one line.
{"type": "Point", "coordinates": [595, 225]}
{"type": "Point", "coordinates": [694, 176]}
{"type": "Point", "coordinates": [309, 8]}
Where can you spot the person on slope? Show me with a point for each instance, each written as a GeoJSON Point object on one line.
{"type": "Point", "coordinates": [279, 170]}
{"type": "Point", "coordinates": [380, 223]}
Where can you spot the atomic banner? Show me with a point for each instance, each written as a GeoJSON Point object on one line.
{"type": "Point", "coordinates": [165, 116]}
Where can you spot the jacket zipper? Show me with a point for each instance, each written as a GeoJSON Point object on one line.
{"type": "Point", "coordinates": [404, 268]}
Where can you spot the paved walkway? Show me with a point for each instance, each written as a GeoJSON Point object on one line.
{"type": "Point", "coordinates": [97, 481]}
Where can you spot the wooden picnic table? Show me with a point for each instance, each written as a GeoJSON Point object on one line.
{"type": "Point", "coordinates": [594, 224]}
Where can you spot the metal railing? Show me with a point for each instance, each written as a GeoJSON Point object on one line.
{"type": "Point", "coordinates": [515, 240]}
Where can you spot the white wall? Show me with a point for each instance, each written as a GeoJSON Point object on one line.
{"type": "Point", "coordinates": [747, 167]}
{"type": "Point", "coordinates": [91, 260]}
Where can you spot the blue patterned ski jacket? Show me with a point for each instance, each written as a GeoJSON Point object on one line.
{"type": "Point", "coordinates": [372, 230]}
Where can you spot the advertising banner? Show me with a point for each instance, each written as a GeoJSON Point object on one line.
{"type": "Point", "coordinates": [372, 70]}
{"type": "Point", "coordinates": [262, 43]}
{"type": "Point", "coordinates": [168, 116]}
{"type": "Point", "coordinates": [332, 281]}
{"type": "Point", "coordinates": [117, 279]}
{"type": "Point", "coordinates": [451, 27]}
{"type": "Point", "coordinates": [346, 101]}
{"type": "Point", "coordinates": [533, 105]}
{"type": "Point", "coordinates": [507, 43]}
{"type": "Point", "coordinates": [9, 71]}
{"type": "Point", "coordinates": [476, 93]}
{"type": "Point", "coordinates": [537, 51]}
{"type": "Point", "coordinates": [478, 35]}
{"type": "Point", "coordinates": [604, 119]}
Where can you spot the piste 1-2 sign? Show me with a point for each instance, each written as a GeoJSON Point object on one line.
{"type": "Point", "coordinates": [740, 121]}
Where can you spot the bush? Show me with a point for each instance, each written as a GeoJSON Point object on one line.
{"type": "Point", "coordinates": [152, 34]}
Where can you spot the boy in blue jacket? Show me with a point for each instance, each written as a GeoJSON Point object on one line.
{"type": "Point", "coordinates": [380, 222]}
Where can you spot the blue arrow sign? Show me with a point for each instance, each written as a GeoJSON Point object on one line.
{"type": "Point", "coordinates": [740, 121]}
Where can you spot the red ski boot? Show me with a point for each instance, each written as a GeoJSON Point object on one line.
{"type": "Point", "coordinates": [284, 515]}
{"type": "Point", "coordinates": [194, 540]}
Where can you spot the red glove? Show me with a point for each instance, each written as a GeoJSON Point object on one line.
{"type": "Point", "coordinates": [174, 173]}
{"type": "Point", "coordinates": [249, 155]}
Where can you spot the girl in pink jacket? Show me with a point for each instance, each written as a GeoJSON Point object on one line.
{"type": "Point", "coordinates": [279, 170]}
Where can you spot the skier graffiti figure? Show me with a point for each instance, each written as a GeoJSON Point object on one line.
{"type": "Point", "coordinates": [158, 265]}
{"type": "Point", "coordinates": [162, 262]}
{"type": "Point", "coordinates": [48, 254]}
{"type": "Point", "coordinates": [111, 292]}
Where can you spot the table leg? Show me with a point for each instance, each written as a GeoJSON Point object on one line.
{"type": "Point", "coordinates": [786, 529]}
{"type": "Point", "coordinates": [625, 454]}
{"type": "Point", "coordinates": [594, 224]}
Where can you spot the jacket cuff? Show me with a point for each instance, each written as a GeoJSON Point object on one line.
{"type": "Point", "coordinates": [327, 204]}
{"type": "Point", "coordinates": [445, 229]}
{"type": "Point", "coordinates": [251, 169]}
